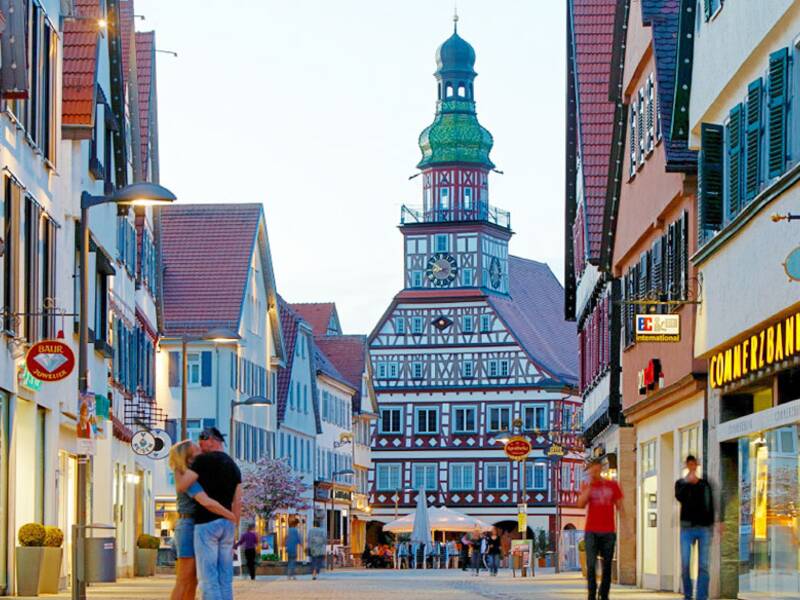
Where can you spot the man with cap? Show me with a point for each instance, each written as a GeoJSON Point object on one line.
{"type": "Point", "coordinates": [219, 476]}
{"type": "Point", "coordinates": [600, 497]}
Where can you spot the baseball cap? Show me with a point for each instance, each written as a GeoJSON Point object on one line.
{"type": "Point", "coordinates": [212, 433]}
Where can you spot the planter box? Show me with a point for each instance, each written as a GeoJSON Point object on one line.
{"type": "Point", "coordinates": [50, 577]}
{"type": "Point", "coordinates": [146, 561]}
{"type": "Point", "coordinates": [29, 569]}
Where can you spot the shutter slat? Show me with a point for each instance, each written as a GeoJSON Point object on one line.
{"type": "Point", "coordinates": [709, 178]}
{"type": "Point", "coordinates": [778, 82]}
{"type": "Point", "coordinates": [753, 139]}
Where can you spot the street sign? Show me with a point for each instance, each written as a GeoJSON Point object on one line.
{"type": "Point", "coordinates": [522, 522]}
{"type": "Point", "coordinates": [163, 444]}
{"type": "Point", "coordinates": [50, 360]}
{"type": "Point", "coordinates": [143, 442]}
{"type": "Point", "coordinates": [658, 328]}
{"type": "Point", "coordinates": [518, 448]}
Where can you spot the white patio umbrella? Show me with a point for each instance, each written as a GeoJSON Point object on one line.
{"type": "Point", "coordinates": [421, 531]}
{"type": "Point", "coordinates": [441, 518]}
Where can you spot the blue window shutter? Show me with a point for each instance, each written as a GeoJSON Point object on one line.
{"type": "Point", "coordinates": [209, 423]}
{"type": "Point", "coordinates": [205, 368]}
{"type": "Point", "coordinates": [707, 9]}
{"type": "Point", "coordinates": [735, 157]}
{"type": "Point", "coordinates": [709, 179]}
{"type": "Point", "coordinates": [753, 139]}
{"type": "Point", "coordinates": [777, 110]}
{"type": "Point", "coordinates": [172, 430]}
{"type": "Point", "coordinates": [174, 369]}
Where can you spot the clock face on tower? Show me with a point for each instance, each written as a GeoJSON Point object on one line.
{"type": "Point", "coordinates": [495, 273]}
{"type": "Point", "coordinates": [442, 269]}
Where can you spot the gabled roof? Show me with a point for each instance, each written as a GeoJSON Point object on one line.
{"type": "Point", "coordinates": [145, 72]}
{"type": "Point", "coordinates": [348, 354]}
{"type": "Point", "coordinates": [81, 47]}
{"type": "Point", "coordinates": [664, 18]}
{"type": "Point", "coordinates": [533, 314]}
{"type": "Point", "coordinates": [592, 28]}
{"type": "Point", "coordinates": [290, 324]}
{"type": "Point", "coordinates": [324, 366]}
{"type": "Point", "coordinates": [205, 257]}
{"type": "Point", "coordinates": [322, 316]}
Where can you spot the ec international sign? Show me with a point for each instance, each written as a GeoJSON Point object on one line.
{"type": "Point", "coordinates": [772, 344]}
{"type": "Point", "coordinates": [658, 328]}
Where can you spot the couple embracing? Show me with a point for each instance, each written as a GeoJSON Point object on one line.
{"type": "Point", "coordinates": [208, 486]}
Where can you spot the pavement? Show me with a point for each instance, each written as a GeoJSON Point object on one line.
{"type": "Point", "coordinates": [346, 584]}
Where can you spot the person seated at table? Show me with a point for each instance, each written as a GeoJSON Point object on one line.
{"type": "Point", "coordinates": [366, 557]}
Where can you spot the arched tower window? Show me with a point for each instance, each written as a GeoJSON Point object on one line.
{"type": "Point", "coordinates": [448, 90]}
{"type": "Point", "coordinates": [461, 89]}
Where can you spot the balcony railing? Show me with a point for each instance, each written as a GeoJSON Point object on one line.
{"type": "Point", "coordinates": [480, 211]}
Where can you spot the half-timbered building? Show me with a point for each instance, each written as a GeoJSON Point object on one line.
{"type": "Point", "coordinates": [475, 341]}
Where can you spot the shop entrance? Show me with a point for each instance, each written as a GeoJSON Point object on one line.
{"type": "Point", "coordinates": [67, 486]}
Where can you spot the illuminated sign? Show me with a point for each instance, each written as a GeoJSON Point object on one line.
{"type": "Point", "coordinates": [518, 448]}
{"type": "Point", "coordinates": [658, 328]}
{"type": "Point", "coordinates": [766, 347]}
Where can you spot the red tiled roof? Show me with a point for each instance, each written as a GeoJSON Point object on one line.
{"type": "Point", "coordinates": [126, 26]}
{"type": "Point", "coordinates": [205, 259]}
{"type": "Point", "coordinates": [145, 66]}
{"type": "Point", "coordinates": [348, 353]}
{"type": "Point", "coordinates": [317, 314]}
{"type": "Point", "coordinates": [290, 322]}
{"type": "Point", "coordinates": [80, 65]}
{"type": "Point", "coordinates": [593, 27]}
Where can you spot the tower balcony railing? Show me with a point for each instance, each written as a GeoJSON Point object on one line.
{"type": "Point", "coordinates": [479, 211]}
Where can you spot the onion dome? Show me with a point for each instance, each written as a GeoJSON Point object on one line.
{"type": "Point", "coordinates": [455, 136]}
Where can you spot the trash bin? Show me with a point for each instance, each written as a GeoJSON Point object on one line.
{"type": "Point", "coordinates": [101, 560]}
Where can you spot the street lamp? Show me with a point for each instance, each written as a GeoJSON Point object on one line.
{"type": "Point", "coordinates": [251, 401]}
{"type": "Point", "coordinates": [217, 335]}
{"type": "Point", "coordinates": [136, 194]}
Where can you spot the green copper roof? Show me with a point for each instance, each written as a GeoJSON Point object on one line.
{"type": "Point", "coordinates": [455, 136]}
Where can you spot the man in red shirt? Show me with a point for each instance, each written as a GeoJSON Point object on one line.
{"type": "Point", "coordinates": [600, 497]}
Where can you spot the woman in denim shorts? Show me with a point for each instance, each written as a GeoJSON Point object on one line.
{"type": "Point", "coordinates": [189, 495]}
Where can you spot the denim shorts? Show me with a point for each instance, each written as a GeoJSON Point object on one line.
{"type": "Point", "coordinates": [184, 538]}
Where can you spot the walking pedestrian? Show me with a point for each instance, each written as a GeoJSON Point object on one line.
{"type": "Point", "coordinates": [189, 493]}
{"type": "Point", "coordinates": [292, 543]}
{"type": "Point", "coordinates": [475, 548]}
{"type": "Point", "coordinates": [697, 520]}
{"type": "Point", "coordinates": [464, 554]}
{"type": "Point", "coordinates": [317, 540]}
{"type": "Point", "coordinates": [493, 551]}
{"type": "Point", "coordinates": [484, 550]}
{"type": "Point", "coordinates": [600, 497]}
{"type": "Point", "coordinates": [214, 536]}
{"type": "Point", "coordinates": [248, 542]}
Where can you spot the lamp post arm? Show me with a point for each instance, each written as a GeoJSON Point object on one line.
{"type": "Point", "coordinates": [89, 200]}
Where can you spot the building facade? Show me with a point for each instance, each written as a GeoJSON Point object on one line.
{"type": "Point", "coordinates": [742, 115]}
{"type": "Point", "coordinates": [473, 344]}
{"type": "Point", "coordinates": [231, 331]}
{"type": "Point", "coordinates": [663, 391]}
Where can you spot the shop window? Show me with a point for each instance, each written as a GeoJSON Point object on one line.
{"type": "Point", "coordinates": [788, 386]}
{"type": "Point", "coordinates": [747, 401]}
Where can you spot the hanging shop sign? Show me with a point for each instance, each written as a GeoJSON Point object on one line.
{"type": "Point", "coordinates": [555, 451]}
{"type": "Point", "coordinates": [28, 381]}
{"type": "Point", "coordinates": [50, 360]}
{"type": "Point", "coordinates": [143, 442]}
{"type": "Point", "coordinates": [518, 448]}
{"type": "Point", "coordinates": [651, 377]}
{"type": "Point", "coordinates": [767, 346]}
{"type": "Point", "coordinates": [792, 265]}
{"type": "Point", "coordinates": [658, 328]}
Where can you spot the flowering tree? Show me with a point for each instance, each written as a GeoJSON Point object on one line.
{"type": "Point", "coordinates": [270, 486]}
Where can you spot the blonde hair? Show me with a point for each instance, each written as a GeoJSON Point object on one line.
{"type": "Point", "coordinates": [179, 456]}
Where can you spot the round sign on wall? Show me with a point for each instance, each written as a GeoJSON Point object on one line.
{"type": "Point", "coordinates": [792, 265]}
{"type": "Point", "coordinates": [163, 444]}
{"type": "Point", "coordinates": [518, 448]}
{"type": "Point", "coordinates": [143, 442]}
{"type": "Point", "coordinates": [50, 360]}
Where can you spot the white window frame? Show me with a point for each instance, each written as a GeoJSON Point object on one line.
{"type": "Point", "coordinates": [399, 325]}
{"type": "Point", "coordinates": [497, 467]}
{"type": "Point", "coordinates": [390, 474]}
{"type": "Point", "coordinates": [444, 198]}
{"type": "Point", "coordinates": [194, 369]}
{"type": "Point", "coordinates": [535, 408]}
{"type": "Point", "coordinates": [417, 369]}
{"type": "Point", "coordinates": [486, 323]}
{"type": "Point", "coordinates": [530, 477]}
{"type": "Point", "coordinates": [499, 408]}
{"type": "Point", "coordinates": [468, 369]}
{"type": "Point", "coordinates": [454, 419]}
{"type": "Point", "coordinates": [438, 245]}
{"type": "Point", "coordinates": [505, 367]}
{"type": "Point", "coordinates": [397, 409]}
{"type": "Point", "coordinates": [468, 324]}
{"type": "Point", "coordinates": [467, 198]}
{"type": "Point", "coordinates": [461, 486]}
{"type": "Point", "coordinates": [417, 278]}
{"type": "Point", "coordinates": [393, 370]}
{"type": "Point", "coordinates": [467, 277]}
{"type": "Point", "coordinates": [427, 410]}
{"type": "Point", "coordinates": [417, 325]}
{"type": "Point", "coordinates": [499, 367]}
{"type": "Point", "coordinates": [430, 476]}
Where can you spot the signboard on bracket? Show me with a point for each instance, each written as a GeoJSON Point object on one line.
{"type": "Point", "coordinates": [658, 328]}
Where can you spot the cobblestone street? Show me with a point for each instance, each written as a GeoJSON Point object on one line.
{"type": "Point", "coordinates": [386, 585]}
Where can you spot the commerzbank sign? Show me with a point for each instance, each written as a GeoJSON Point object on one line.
{"type": "Point", "coordinates": [768, 346]}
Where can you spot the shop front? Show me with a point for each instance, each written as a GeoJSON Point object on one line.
{"type": "Point", "coordinates": [334, 503]}
{"type": "Point", "coordinates": [756, 381]}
